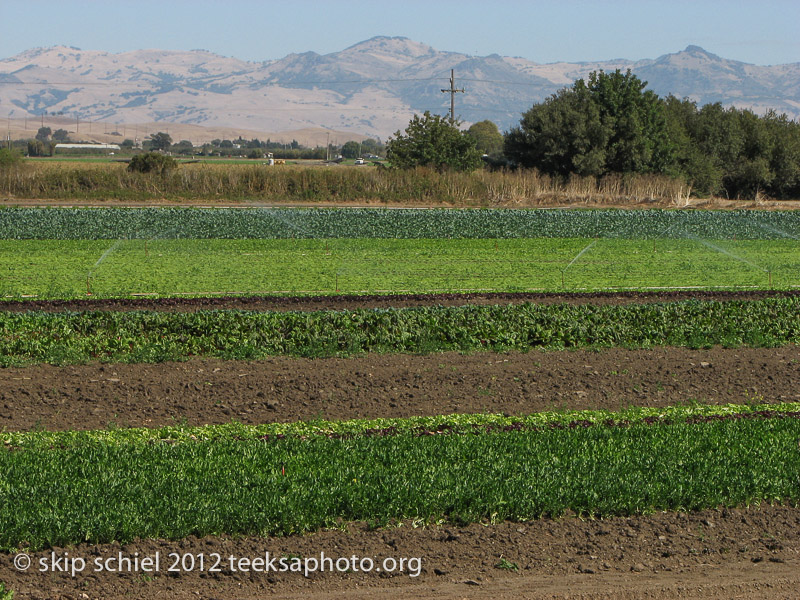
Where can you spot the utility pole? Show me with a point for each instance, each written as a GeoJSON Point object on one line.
{"type": "Point", "coordinates": [453, 91]}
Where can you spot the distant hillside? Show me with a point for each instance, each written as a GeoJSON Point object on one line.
{"type": "Point", "coordinates": [371, 88]}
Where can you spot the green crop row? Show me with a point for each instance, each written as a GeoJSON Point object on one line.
{"type": "Point", "coordinates": [454, 424]}
{"type": "Point", "coordinates": [103, 492]}
{"type": "Point", "coordinates": [146, 223]}
{"type": "Point", "coordinates": [71, 268]}
{"type": "Point", "coordinates": [62, 338]}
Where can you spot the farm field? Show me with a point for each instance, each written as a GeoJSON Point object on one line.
{"type": "Point", "coordinates": [72, 268]}
{"type": "Point", "coordinates": [522, 439]}
{"type": "Point", "coordinates": [71, 253]}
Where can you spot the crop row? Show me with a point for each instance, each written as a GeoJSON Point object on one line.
{"type": "Point", "coordinates": [62, 338]}
{"type": "Point", "coordinates": [103, 492]}
{"type": "Point", "coordinates": [71, 268]}
{"type": "Point", "coordinates": [148, 223]}
{"type": "Point", "coordinates": [454, 424]}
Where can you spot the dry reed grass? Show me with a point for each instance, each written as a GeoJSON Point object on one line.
{"type": "Point", "coordinates": [338, 184]}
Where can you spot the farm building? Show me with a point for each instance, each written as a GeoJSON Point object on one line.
{"type": "Point", "coordinates": [87, 147]}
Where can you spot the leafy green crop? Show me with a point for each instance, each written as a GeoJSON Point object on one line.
{"type": "Point", "coordinates": [265, 223]}
{"type": "Point", "coordinates": [101, 492]}
{"type": "Point", "coordinates": [66, 253]}
{"type": "Point", "coordinates": [454, 424]}
{"type": "Point", "coordinates": [63, 338]}
{"type": "Point", "coordinates": [5, 593]}
{"type": "Point", "coordinates": [64, 268]}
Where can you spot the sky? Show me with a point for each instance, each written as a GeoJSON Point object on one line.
{"type": "Point", "coordinates": [762, 32]}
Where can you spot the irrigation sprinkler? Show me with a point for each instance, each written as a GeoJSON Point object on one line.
{"type": "Point", "coordinates": [731, 254]}
{"type": "Point", "coordinates": [577, 256]}
{"type": "Point", "coordinates": [337, 282]}
{"type": "Point", "coordinates": [781, 232]}
{"type": "Point", "coordinates": [97, 264]}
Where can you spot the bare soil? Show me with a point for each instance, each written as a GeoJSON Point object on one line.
{"type": "Point", "coordinates": [557, 200]}
{"type": "Point", "coordinates": [726, 553]}
{"type": "Point", "coordinates": [393, 385]}
{"type": "Point", "coordinates": [352, 302]}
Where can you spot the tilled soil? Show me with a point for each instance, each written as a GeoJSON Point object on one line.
{"type": "Point", "coordinates": [351, 302]}
{"type": "Point", "coordinates": [552, 201]}
{"type": "Point", "coordinates": [393, 385]}
{"type": "Point", "coordinates": [728, 553]}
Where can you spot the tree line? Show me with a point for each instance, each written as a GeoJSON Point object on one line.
{"type": "Point", "coordinates": [46, 139]}
{"type": "Point", "coordinates": [611, 124]}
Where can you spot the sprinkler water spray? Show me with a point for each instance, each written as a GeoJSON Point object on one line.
{"type": "Point", "coordinates": [577, 256]}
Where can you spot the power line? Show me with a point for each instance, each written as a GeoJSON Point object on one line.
{"type": "Point", "coordinates": [531, 83]}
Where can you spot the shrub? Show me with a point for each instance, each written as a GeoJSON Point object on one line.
{"type": "Point", "coordinates": [9, 157]}
{"type": "Point", "coordinates": [151, 162]}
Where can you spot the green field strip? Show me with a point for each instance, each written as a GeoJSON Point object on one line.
{"type": "Point", "coordinates": [453, 424]}
{"type": "Point", "coordinates": [144, 336]}
{"type": "Point", "coordinates": [321, 223]}
{"type": "Point", "coordinates": [73, 268]}
{"type": "Point", "coordinates": [99, 493]}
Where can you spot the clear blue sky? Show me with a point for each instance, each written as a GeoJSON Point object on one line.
{"type": "Point", "coordinates": [760, 32]}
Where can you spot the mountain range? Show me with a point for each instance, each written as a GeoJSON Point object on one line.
{"type": "Point", "coordinates": [372, 88]}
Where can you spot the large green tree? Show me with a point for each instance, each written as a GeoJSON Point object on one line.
{"type": "Point", "coordinates": [734, 152]}
{"type": "Point", "coordinates": [634, 118]}
{"type": "Point", "coordinates": [609, 124]}
{"type": "Point", "coordinates": [562, 135]}
{"type": "Point", "coordinates": [371, 146]}
{"type": "Point", "coordinates": [487, 136]}
{"type": "Point", "coordinates": [61, 135]}
{"type": "Point", "coordinates": [433, 141]}
{"type": "Point", "coordinates": [38, 148]}
{"type": "Point", "coordinates": [43, 135]}
{"type": "Point", "coordinates": [351, 149]}
{"type": "Point", "coordinates": [160, 141]}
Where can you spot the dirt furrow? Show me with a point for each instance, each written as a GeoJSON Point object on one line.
{"type": "Point", "coordinates": [392, 385]}
{"type": "Point", "coordinates": [352, 302]}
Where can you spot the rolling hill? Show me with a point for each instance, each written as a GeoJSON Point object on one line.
{"type": "Point", "coordinates": [371, 88]}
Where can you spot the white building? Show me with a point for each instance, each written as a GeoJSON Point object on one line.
{"type": "Point", "coordinates": [87, 146]}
